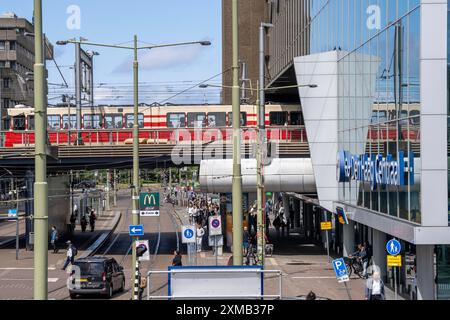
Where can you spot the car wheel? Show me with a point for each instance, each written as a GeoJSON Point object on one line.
{"type": "Point", "coordinates": [73, 296]}
{"type": "Point", "coordinates": [122, 288]}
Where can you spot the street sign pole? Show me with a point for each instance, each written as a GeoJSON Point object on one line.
{"type": "Point", "coordinates": [215, 248]}
{"type": "Point", "coordinates": [17, 223]}
{"type": "Point", "coordinates": [395, 282]}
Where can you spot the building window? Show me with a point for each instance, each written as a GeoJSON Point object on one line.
{"type": "Point", "coordinates": [12, 45]}
{"type": "Point", "coordinates": [2, 45]}
{"type": "Point", "coordinates": [6, 83]}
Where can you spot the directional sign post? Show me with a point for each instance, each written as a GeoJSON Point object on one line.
{"type": "Point", "coordinates": [136, 230]}
{"type": "Point", "coordinates": [149, 204]}
{"type": "Point", "coordinates": [188, 235]}
{"type": "Point", "coordinates": [393, 248]}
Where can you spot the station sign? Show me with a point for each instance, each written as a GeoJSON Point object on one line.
{"type": "Point", "coordinates": [376, 169]}
{"type": "Point", "coordinates": [327, 225]}
{"type": "Point", "coordinates": [394, 261]}
{"type": "Point", "coordinates": [149, 204]}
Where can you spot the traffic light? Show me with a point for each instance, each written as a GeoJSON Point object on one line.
{"type": "Point", "coordinates": [140, 250]}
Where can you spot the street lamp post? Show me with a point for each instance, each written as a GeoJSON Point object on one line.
{"type": "Point", "coordinates": [40, 185]}
{"type": "Point", "coordinates": [237, 174]}
{"type": "Point", "coordinates": [136, 184]}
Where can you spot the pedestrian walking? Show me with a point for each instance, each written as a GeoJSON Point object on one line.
{"type": "Point", "coordinates": [70, 254]}
{"type": "Point", "coordinates": [73, 220]}
{"type": "Point", "coordinates": [54, 239]}
{"type": "Point", "coordinates": [176, 261]}
{"type": "Point", "coordinates": [200, 233]}
{"type": "Point", "coordinates": [83, 223]}
{"type": "Point", "coordinates": [92, 218]}
{"type": "Point", "coordinates": [375, 287]}
{"type": "Point", "coordinates": [246, 240]}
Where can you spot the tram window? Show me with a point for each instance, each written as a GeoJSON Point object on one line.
{"type": "Point", "coordinates": [243, 119]}
{"type": "Point", "coordinates": [217, 119]}
{"type": "Point", "coordinates": [19, 123]}
{"type": "Point", "coordinates": [73, 121]}
{"type": "Point", "coordinates": [6, 123]}
{"type": "Point", "coordinates": [130, 120]}
{"type": "Point", "coordinates": [30, 122]}
{"type": "Point", "coordinates": [113, 121]}
{"type": "Point", "coordinates": [415, 117]}
{"type": "Point", "coordinates": [92, 121]}
{"type": "Point", "coordinates": [296, 119]}
{"type": "Point", "coordinates": [196, 119]}
{"type": "Point", "coordinates": [278, 118]}
{"type": "Point", "coordinates": [54, 122]}
{"type": "Point", "coordinates": [176, 120]}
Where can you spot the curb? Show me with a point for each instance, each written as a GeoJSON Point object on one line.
{"type": "Point", "coordinates": [101, 239]}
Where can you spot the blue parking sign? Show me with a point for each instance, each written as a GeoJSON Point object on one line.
{"type": "Point", "coordinates": [340, 268]}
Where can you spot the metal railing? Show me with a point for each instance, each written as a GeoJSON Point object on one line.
{"type": "Point", "coordinates": [25, 138]}
{"type": "Point", "coordinates": [219, 296]}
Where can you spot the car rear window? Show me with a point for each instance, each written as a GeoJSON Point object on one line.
{"type": "Point", "coordinates": [90, 268]}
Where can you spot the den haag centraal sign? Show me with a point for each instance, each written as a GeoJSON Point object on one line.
{"type": "Point", "coordinates": [378, 170]}
{"type": "Point", "coordinates": [149, 204]}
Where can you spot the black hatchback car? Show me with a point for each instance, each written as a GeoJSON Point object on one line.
{"type": "Point", "coordinates": [96, 275]}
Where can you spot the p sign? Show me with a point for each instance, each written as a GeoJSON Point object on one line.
{"type": "Point", "coordinates": [340, 269]}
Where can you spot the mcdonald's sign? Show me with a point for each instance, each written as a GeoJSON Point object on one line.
{"type": "Point", "coordinates": [149, 203]}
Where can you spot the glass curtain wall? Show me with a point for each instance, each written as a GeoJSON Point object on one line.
{"type": "Point", "coordinates": [379, 90]}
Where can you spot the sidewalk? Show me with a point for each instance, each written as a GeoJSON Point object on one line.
{"type": "Point", "coordinates": [305, 268]}
{"type": "Point", "coordinates": [16, 276]}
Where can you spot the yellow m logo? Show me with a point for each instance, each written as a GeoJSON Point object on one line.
{"type": "Point", "coordinates": [149, 200]}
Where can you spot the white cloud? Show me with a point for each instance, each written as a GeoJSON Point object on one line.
{"type": "Point", "coordinates": [163, 58]}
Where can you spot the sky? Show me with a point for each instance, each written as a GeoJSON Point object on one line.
{"type": "Point", "coordinates": [162, 73]}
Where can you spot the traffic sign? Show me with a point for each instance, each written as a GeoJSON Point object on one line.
{"type": "Point", "coordinates": [188, 234]}
{"type": "Point", "coordinates": [340, 269]}
{"type": "Point", "coordinates": [215, 226]}
{"type": "Point", "coordinates": [393, 247]}
{"type": "Point", "coordinates": [136, 230]}
{"type": "Point", "coordinates": [327, 225]}
{"type": "Point", "coordinates": [149, 204]}
{"type": "Point", "coordinates": [394, 261]}
{"type": "Point", "coordinates": [146, 255]}
{"type": "Point", "coordinates": [12, 213]}
{"type": "Point", "coordinates": [342, 216]}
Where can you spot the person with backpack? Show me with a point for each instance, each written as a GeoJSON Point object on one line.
{"type": "Point", "coordinates": [70, 254]}
{"type": "Point", "coordinates": [54, 239]}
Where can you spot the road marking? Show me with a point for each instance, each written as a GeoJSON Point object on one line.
{"type": "Point", "coordinates": [53, 280]}
{"type": "Point", "coordinates": [272, 261]}
{"type": "Point", "coordinates": [313, 277]}
{"type": "Point", "coordinates": [24, 269]}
